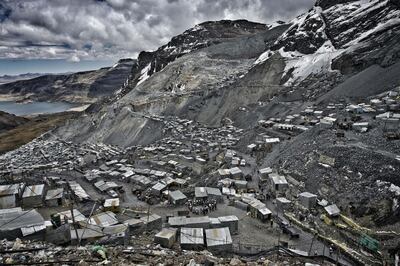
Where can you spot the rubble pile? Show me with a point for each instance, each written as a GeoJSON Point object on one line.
{"type": "Point", "coordinates": [34, 252]}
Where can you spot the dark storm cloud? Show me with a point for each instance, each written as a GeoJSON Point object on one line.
{"type": "Point", "coordinates": [90, 29]}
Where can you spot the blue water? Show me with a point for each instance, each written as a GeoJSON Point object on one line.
{"type": "Point", "coordinates": [33, 108]}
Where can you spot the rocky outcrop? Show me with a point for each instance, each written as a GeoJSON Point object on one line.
{"type": "Point", "coordinates": [306, 35]}
{"type": "Point", "coordinates": [202, 35]}
{"type": "Point", "coordinates": [10, 121]}
{"type": "Point", "coordinates": [370, 36]}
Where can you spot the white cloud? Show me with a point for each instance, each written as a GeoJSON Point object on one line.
{"type": "Point", "coordinates": [74, 58]}
{"type": "Point", "coordinates": [112, 29]}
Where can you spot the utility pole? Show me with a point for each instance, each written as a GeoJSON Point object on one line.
{"type": "Point", "coordinates": [312, 242]}
{"type": "Point", "coordinates": [279, 240]}
{"type": "Point", "coordinates": [73, 215]}
{"type": "Point", "coordinates": [87, 222]}
{"type": "Point", "coordinates": [337, 255]}
{"type": "Point", "coordinates": [148, 217]}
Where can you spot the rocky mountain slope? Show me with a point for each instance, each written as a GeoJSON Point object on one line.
{"type": "Point", "coordinates": [189, 79]}
{"type": "Point", "coordinates": [81, 87]}
{"type": "Point", "coordinates": [244, 72]}
{"type": "Point", "coordinates": [9, 121]}
{"type": "Point", "coordinates": [13, 78]}
{"type": "Point", "coordinates": [342, 39]}
{"type": "Point", "coordinates": [203, 35]}
{"type": "Point", "coordinates": [216, 67]}
{"type": "Point", "coordinates": [211, 70]}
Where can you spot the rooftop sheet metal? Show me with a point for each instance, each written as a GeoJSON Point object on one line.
{"type": "Point", "coordinates": [218, 237]}
{"type": "Point", "coordinates": [32, 191]}
{"type": "Point", "coordinates": [104, 219]}
{"type": "Point", "coordinates": [12, 189]}
{"type": "Point", "coordinates": [177, 195]}
{"type": "Point", "coordinates": [192, 236]}
{"type": "Point", "coordinates": [16, 218]}
{"type": "Point", "coordinates": [55, 194]}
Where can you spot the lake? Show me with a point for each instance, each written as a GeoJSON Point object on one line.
{"type": "Point", "coordinates": [23, 109]}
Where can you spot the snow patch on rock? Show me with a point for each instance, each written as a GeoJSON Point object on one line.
{"type": "Point", "coordinates": [144, 74]}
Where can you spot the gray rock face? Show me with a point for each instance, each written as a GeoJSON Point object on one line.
{"type": "Point", "coordinates": [306, 37]}
{"type": "Point", "coordinates": [188, 87]}
{"type": "Point", "coordinates": [107, 84]}
{"type": "Point", "coordinates": [10, 121]}
{"type": "Point", "coordinates": [212, 70]}
{"type": "Point", "coordinates": [376, 26]}
{"type": "Point", "coordinates": [203, 35]}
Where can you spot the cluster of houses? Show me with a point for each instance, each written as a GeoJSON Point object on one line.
{"type": "Point", "coordinates": [30, 196]}
{"type": "Point", "coordinates": [43, 154]}
{"type": "Point", "coordinates": [20, 215]}
{"type": "Point", "coordinates": [199, 138]}
{"type": "Point", "coordinates": [385, 106]}
{"type": "Point", "coordinates": [196, 233]}
{"type": "Point", "coordinates": [163, 170]}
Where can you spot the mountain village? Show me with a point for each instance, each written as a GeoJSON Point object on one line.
{"type": "Point", "coordinates": [198, 188]}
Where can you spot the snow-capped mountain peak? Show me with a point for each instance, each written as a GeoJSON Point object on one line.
{"type": "Point", "coordinates": [332, 32]}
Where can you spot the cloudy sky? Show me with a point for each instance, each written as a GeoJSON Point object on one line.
{"type": "Point", "coordinates": [81, 34]}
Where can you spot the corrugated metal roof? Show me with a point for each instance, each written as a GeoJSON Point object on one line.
{"type": "Point", "coordinates": [77, 215]}
{"type": "Point", "coordinates": [166, 233]}
{"type": "Point", "coordinates": [6, 190]}
{"type": "Point", "coordinates": [332, 210]}
{"type": "Point", "coordinates": [78, 190]}
{"type": "Point", "coordinates": [215, 221]}
{"type": "Point", "coordinates": [104, 219]}
{"type": "Point", "coordinates": [16, 209]}
{"type": "Point", "coordinates": [198, 220]}
{"type": "Point", "coordinates": [235, 170]}
{"type": "Point", "coordinates": [184, 221]}
{"type": "Point", "coordinates": [200, 192]}
{"type": "Point", "coordinates": [159, 186]}
{"type": "Point", "coordinates": [115, 229]}
{"type": "Point", "coordinates": [213, 191]}
{"type": "Point", "coordinates": [33, 229]}
{"type": "Point", "coordinates": [55, 194]}
{"type": "Point", "coordinates": [111, 202]}
{"type": "Point", "coordinates": [228, 218]}
{"type": "Point", "coordinates": [192, 236]}
{"type": "Point", "coordinates": [15, 219]}
{"type": "Point", "coordinates": [218, 237]}
{"type": "Point", "coordinates": [266, 170]}
{"type": "Point", "coordinates": [264, 211]}
{"type": "Point", "coordinates": [177, 195]}
{"type": "Point", "coordinates": [177, 221]}
{"type": "Point", "coordinates": [278, 179]}
{"type": "Point", "coordinates": [150, 218]}
{"type": "Point", "coordinates": [32, 191]}
{"type": "Point", "coordinates": [85, 234]}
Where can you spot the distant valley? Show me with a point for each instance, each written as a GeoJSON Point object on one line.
{"type": "Point", "coordinates": [81, 87]}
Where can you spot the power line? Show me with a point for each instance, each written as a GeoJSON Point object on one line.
{"type": "Point", "coordinates": [87, 221]}
{"type": "Point", "coordinates": [21, 215]}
